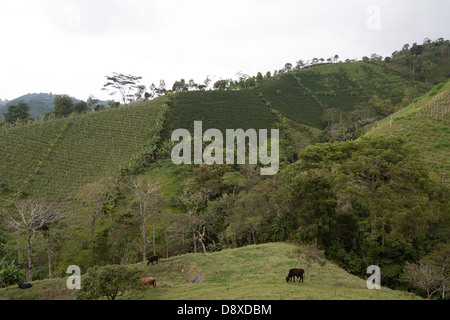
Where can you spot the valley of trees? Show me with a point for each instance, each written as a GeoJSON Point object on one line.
{"type": "Point", "coordinates": [363, 200]}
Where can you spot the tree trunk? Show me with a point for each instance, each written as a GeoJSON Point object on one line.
{"type": "Point", "coordinates": [443, 291]}
{"type": "Point", "coordinates": [167, 244]}
{"type": "Point", "coordinates": [203, 245]}
{"type": "Point", "coordinates": [195, 240]}
{"type": "Point", "coordinates": [308, 273]}
{"type": "Point", "coordinates": [154, 241]}
{"type": "Point", "coordinates": [29, 273]}
{"type": "Point", "coordinates": [49, 258]}
{"type": "Point", "coordinates": [92, 230]}
{"type": "Point", "coordinates": [144, 242]}
{"type": "Point", "coordinates": [201, 237]}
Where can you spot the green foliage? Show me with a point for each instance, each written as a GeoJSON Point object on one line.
{"type": "Point", "coordinates": [436, 89]}
{"type": "Point", "coordinates": [81, 107]}
{"type": "Point", "coordinates": [383, 197]}
{"type": "Point", "coordinates": [99, 107]}
{"type": "Point", "coordinates": [313, 201]}
{"type": "Point", "coordinates": [234, 180]}
{"type": "Point", "coordinates": [428, 62]}
{"type": "Point", "coordinates": [107, 282]}
{"type": "Point", "coordinates": [310, 255]}
{"type": "Point", "coordinates": [63, 105]}
{"type": "Point", "coordinates": [10, 273]}
{"type": "Point", "coordinates": [17, 113]}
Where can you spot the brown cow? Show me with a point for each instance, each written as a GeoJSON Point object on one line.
{"type": "Point", "coordinates": [149, 281]}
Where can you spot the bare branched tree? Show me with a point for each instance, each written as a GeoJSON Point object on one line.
{"type": "Point", "coordinates": [425, 277]}
{"type": "Point", "coordinates": [149, 201]}
{"type": "Point", "coordinates": [440, 259]}
{"type": "Point", "coordinates": [432, 274]}
{"type": "Point", "coordinates": [193, 199]}
{"type": "Point", "coordinates": [29, 217]}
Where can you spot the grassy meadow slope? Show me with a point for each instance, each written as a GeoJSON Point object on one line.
{"type": "Point", "coordinates": [53, 159]}
{"type": "Point", "coordinates": [425, 124]}
{"type": "Point", "coordinates": [248, 273]}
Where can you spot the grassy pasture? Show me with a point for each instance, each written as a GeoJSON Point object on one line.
{"type": "Point", "coordinates": [248, 273]}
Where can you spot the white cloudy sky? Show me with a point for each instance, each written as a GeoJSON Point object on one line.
{"type": "Point", "coordinates": [69, 46]}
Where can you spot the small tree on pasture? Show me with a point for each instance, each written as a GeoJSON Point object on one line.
{"type": "Point", "coordinates": [309, 255]}
{"type": "Point", "coordinates": [108, 281]}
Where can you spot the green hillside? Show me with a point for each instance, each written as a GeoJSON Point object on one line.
{"type": "Point", "coordinates": [363, 201]}
{"type": "Point", "coordinates": [304, 95]}
{"type": "Point", "coordinates": [220, 110]}
{"type": "Point", "coordinates": [428, 62]}
{"type": "Point", "coordinates": [425, 124]}
{"type": "Point", "coordinates": [53, 159]}
{"type": "Point", "coordinates": [247, 273]}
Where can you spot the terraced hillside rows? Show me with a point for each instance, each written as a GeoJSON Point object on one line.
{"type": "Point", "coordinates": [304, 95]}
{"type": "Point", "coordinates": [425, 124]}
{"type": "Point", "coordinates": [219, 110]}
{"type": "Point", "coordinates": [52, 159]}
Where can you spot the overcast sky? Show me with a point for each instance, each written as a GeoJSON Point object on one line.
{"type": "Point", "coordinates": [69, 46]}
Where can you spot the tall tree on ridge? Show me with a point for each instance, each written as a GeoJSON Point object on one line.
{"type": "Point", "coordinates": [124, 84]}
{"type": "Point", "coordinates": [63, 105]}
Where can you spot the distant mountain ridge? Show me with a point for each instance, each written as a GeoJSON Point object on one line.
{"type": "Point", "coordinates": [39, 103]}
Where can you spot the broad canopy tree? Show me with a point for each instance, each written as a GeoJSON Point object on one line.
{"type": "Point", "coordinates": [124, 84]}
{"type": "Point", "coordinates": [63, 104]}
{"type": "Point", "coordinates": [19, 112]}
